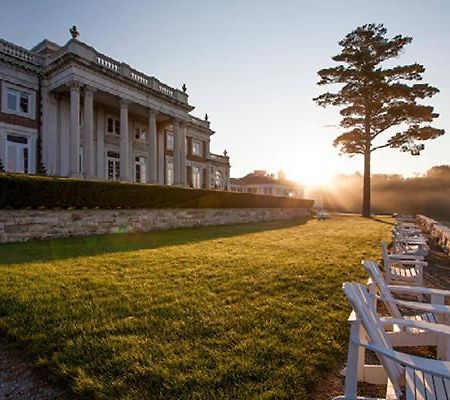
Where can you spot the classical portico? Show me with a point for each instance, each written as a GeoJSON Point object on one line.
{"type": "Point", "coordinates": [87, 136]}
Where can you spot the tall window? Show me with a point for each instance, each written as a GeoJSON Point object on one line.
{"type": "Point", "coordinates": [140, 134]}
{"type": "Point", "coordinates": [17, 154]}
{"type": "Point", "coordinates": [196, 147]}
{"type": "Point", "coordinates": [169, 172]}
{"type": "Point", "coordinates": [169, 141]}
{"type": "Point", "coordinates": [217, 179]}
{"type": "Point", "coordinates": [113, 126]}
{"type": "Point", "coordinates": [113, 165]}
{"type": "Point", "coordinates": [140, 169]}
{"type": "Point", "coordinates": [196, 177]}
{"type": "Point", "coordinates": [18, 102]}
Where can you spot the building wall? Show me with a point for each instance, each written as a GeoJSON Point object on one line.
{"type": "Point", "coordinates": [14, 124]}
{"type": "Point", "coordinates": [24, 225]}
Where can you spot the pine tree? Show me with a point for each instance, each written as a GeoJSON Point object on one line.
{"type": "Point", "coordinates": [2, 168]}
{"type": "Point", "coordinates": [376, 99]}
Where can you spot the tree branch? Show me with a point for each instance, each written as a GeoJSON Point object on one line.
{"type": "Point", "coordinates": [380, 147]}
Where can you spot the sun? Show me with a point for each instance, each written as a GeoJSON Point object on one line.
{"type": "Point", "coordinates": [311, 169]}
{"type": "Point", "coordinates": [315, 177]}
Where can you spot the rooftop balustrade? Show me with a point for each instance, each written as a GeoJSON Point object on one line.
{"type": "Point", "coordinates": [20, 53]}
{"type": "Point", "coordinates": [199, 121]}
{"type": "Point", "coordinates": [219, 158]}
{"type": "Point", "coordinates": [90, 54]}
{"type": "Point", "coordinates": [123, 69]}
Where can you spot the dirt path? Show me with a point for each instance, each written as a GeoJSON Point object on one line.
{"type": "Point", "coordinates": [19, 381]}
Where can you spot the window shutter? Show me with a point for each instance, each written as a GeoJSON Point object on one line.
{"type": "Point", "coordinates": [189, 175]}
{"type": "Point", "coordinates": [204, 149]}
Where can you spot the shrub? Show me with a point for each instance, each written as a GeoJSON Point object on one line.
{"type": "Point", "coordinates": [23, 191]}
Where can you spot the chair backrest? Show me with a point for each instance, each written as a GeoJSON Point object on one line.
{"type": "Point", "coordinates": [359, 298]}
{"type": "Point", "coordinates": [373, 270]}
{"type": "Point", "coordinates": [385, 254]}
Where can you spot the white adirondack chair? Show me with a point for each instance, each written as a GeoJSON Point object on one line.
{"type": "Point", "coordinates": [413, 245]}
{"type": "Point", "coordinates": [322, 215]}
{"type": "Point", "coordinates": [434, 312]}
{"type": "Point", "coordinates": [407, 377]}
{"type": "Point", "coordinates": [402, 268]}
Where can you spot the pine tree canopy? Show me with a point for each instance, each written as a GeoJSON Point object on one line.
{"type": "Point", "coordinates": [375, 99]}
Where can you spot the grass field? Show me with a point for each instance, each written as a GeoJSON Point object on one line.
{"type": "Point", "coordinates": [235, 312]}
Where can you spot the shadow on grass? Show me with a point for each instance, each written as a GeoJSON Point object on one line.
{"type": "Point", "coordinates": [375, 219]}
{"type": "Point", "coordinates": [59, 249]}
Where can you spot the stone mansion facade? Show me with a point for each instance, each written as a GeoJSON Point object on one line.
{"type": "Point", "coordinates": [82, 114]}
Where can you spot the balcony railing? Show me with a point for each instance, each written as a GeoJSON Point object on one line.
{"type": "Point", "coordinates": [20, 53]}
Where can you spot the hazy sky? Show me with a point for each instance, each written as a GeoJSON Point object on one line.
{"type": "Point", "coordinates": [252, 66]}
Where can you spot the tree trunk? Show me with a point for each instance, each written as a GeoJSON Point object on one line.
{"type": "Point", "coordinates": [366, 185]}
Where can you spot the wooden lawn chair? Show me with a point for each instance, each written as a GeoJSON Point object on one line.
{"type": "Point", "coordinates": [406, 376]}
{"type": "Point", "coordinates": [402, 268]}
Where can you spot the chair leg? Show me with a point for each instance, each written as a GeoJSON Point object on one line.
{"type": "Point", "coordinates": [354, 369]}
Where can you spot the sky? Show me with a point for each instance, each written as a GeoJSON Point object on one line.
{"type": "Point", "coordinates": [252, 66]}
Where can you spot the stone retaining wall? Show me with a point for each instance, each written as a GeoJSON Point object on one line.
{"type": "Point", "coordinates": [23, 225]}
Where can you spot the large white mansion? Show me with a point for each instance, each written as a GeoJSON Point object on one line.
{"type": "Point", "coordinates": [98, 118]}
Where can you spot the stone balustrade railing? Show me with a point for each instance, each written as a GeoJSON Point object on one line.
{"type": "Point", "coordinates": [125, 70]}
{"type": "Point", "coordinates": [439, 232]}
{"type": "Point", "coordinates": [20, 53]}
{"type": "Point", "coordinates": [199, 122]}
{"type": "Point", "coordinates": [92, 55]}
{"type": "Point", "coordinates": [219, 158]}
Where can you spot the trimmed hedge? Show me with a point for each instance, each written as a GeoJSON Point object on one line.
{"type": "Point", "coordinates": [24, 191]}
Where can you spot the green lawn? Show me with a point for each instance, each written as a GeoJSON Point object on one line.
{"type": "Point", "coordinates": [234, 312]}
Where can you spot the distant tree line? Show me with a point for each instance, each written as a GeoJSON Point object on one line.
{"type": "Point", "coordinates": [428, 194]}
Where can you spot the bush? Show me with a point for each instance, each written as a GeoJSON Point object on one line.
{"type": "Point", "coordinates": [22, 191]}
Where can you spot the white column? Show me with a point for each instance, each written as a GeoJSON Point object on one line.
{"type": "Point", "coordinates": [32, 154]}
{"type": "Point", "coordinates": [100, 144]}
{"type": "Point", "coordinates": [88, 138]}
{"type": "Point", "coordinates": [176, 153]}
{"type": "Point", "coordinates": [125, 166]}
{"type": "Point", "coordinates": [183, 172]}
{"type": "Point", "coordinates": [74, 131]}
{"type": "Point", "coordinates": [161, 152]}
{"type": "Point", "coordinates": [49, 133]}
{"type": "Point", "coordinates": [64, 136]}
{"type": "Point", "coordinates": [153, 150]}
{"type": "Point", "coordinates": [207, 184]}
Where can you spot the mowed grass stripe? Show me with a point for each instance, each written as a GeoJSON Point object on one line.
{"type": "Point", "coordinates": [255, 312]}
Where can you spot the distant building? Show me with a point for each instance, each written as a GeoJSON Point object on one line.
{"type": "Point", "coordinates": [260, 182]}
{"type": "Point", "coordinates": [83, 114]}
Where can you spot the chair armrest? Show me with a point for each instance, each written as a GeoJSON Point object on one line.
{"type": "Point", "coordinates": [440, 329]}
{"type": "Point", "coordinates": [405, 257]}
{"type": "Point", "coordinates": [430, 366]}
{"type": "Point", "coordinates": [418, 290]}
{"type": "Point", "coordinates": [426, 307]}
{"type": "Point", "coordinates": [410, 262]}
